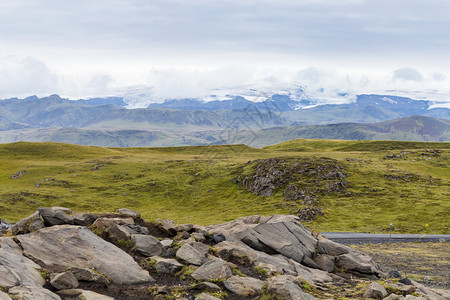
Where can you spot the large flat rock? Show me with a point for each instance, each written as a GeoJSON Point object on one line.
{"type": "Point", "coordinates": [16, 269]}
{"type": "Point", "coordinates": [287, 238]}
{"type": "Point", "coordinates": [75, 246]}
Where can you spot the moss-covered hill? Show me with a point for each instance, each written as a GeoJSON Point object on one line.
{"type": "Point", "coordinates": [382, 182]}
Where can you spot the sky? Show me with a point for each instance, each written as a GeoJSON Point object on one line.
{"type": "Point", "coordinates": [160, 49]}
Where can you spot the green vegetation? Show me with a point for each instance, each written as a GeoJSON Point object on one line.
{"type": "Point", "coordinates": [388, 182]}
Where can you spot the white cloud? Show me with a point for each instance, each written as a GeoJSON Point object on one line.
{"type": "Point", "coordinates": [408, 74]}
{"type": "Point", "coordinates": [25, 76]}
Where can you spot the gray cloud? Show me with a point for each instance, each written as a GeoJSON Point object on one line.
{"type": "Point", "coordinates": [97, 45]}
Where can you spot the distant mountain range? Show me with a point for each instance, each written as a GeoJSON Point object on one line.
{"type": "Point", "coordinates": [107, 121]}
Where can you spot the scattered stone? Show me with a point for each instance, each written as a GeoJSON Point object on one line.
{"type": "Point", "coordinates": [202, 248]}
{"type": "Point", "coordinates": [167, 265]}
{"type": "Point", "coordinates": [406, 289]}
{"type": "Point", "coordinates": [167, 226]}
{"type": "Point", "coordinates": [80, 294]}
{"type": "Point", "coordinates": [325, 262]}
{"type": "Point", "coordinates": [375, 291]}
{"type": "Point", "coordinates": [349, 263]}
{"type": "Point", "coordinates": [189, 255]}
{"type": "Point", "coordinates": [18, 174]}
{"type": "Point", "coordinates": [83, 274]}
{"type": "Point", "coordinates": [29, 224]}
{"type": "Point", "coordinates": [331, 248]}
{"type": "Point", "coordinates": [411, 297]}
{"type": "Point", "coordinates": [128, 212]}
{"type": "Point", "coordinates": [84, 219]}
{"type": "Point", "coordinates": [284, 288]}
{"type": "Point", "coordinates": [147, 245]}
{"type": "Point", "coordinates": [199, 237]}
{"type": "Point", "coordinates": [183, 235]}
{"type": "Point", "coordinates": [244, 286]}
{"type": "Point", "coordinates": [216, 269]}
{"type": "Point", "coordinates": [406, 281]}
{"type": "Point", "coordinates": [66, 245]}
{"type": "Point", "coordinates": [204, 296]}
{"type": "Point", "coordinates": [32, 293]}
{"type": "Point", "coordinates": [66, 280]}
{"type": "Point", "coordinates": [166, 242]}
{"type": "Point", "coordinates": [118, 232]}
{"type": "Point", "coordinates": [55, 216]}
{"type": "Point", "coordinates": [205, 285]}
{"type": "Point", "coordinates": [108, 222]}
{"type": "Point", "coordinates": [136, 229]}
{"type": "Point", "coordinates": [394, 274]}
{"type": "Point", "coordinates": [185, 227]}
{"type": "Point", "coordinates": [393, 297]}
{"type": "Point", "coordinates": [219, 238]}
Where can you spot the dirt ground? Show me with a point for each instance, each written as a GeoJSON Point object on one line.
{"type": "Point", "coordinates": [428, 263]}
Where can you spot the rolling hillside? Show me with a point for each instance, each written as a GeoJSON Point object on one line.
{"type": "Point", "coordinates": [334, 185]}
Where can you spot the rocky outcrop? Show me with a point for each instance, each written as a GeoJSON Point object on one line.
{"type": "Point", "coordinates": [249, 257]}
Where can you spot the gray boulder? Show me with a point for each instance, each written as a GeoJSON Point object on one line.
{"type": "Point", "coordinates": [375, 291]}
{"type": "Point", "coordinates": [244, 286]}
{"type": "Point", "coordinates": [326, 246]}
{"type": "Point", "coordinates": [168, 226]}
{"type": "Point", "coordinates": [189, 255]}
{"type": "Point", "coordinates": [167, 265]}
{"type": "Point", "coordinates": [84, 219]}
{"type": "Point", "coordinates": [166, 242]}
{"type": "Point", "coordinates": [118, 232]}
{"type": "Point", "coordinates": [80, 294]}
{"type": "Point", "coordinates": [147, 245]}
{"type": "Point", "coordinates": [64, 246]}
{"type": "Point", "coordinates": [204, 296]}
{"type": "Point", "coordinates": [350, 263]}
{"type": "Point", "coordinates": [32, 293]}
{"type": "Point", "coordinates": [287, 238]}
{"type": "Point", "coordinates": [205, 285]}
{"type": "Point", "coordinates": [200, 247]}
{"type": "Point", "coordinates": [136, 229]}
{"type": "Point", "coordinates": [185, 227]}
{"type": "Point", "coordinates": [128, 212]}
{"type": "Point", "coordinates": [283, 287]}
{"type": "Point", "coordinates": [83, 274]}
{"type": "Point", "coordinates": [29, 224]}
{"type": "Point", "coordinates": [66, 280]}
{"type": "Point", "coordinates": [55, 216]}
{"type": "Point", "coordinates": [325, 262]}
{"type": "Point", "coordinates": [216, 269]}
{"type": "Point", "coordinates": [103, 222]}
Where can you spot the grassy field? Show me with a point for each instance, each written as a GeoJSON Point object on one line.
{"type": "Point", "coordinates": [388, 182]}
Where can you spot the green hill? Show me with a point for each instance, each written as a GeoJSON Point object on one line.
{"type": "Point", "coordinates": [358, 185]}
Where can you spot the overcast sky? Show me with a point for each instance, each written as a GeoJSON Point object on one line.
{"type": "Point", "coordinates": [180, 48]}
